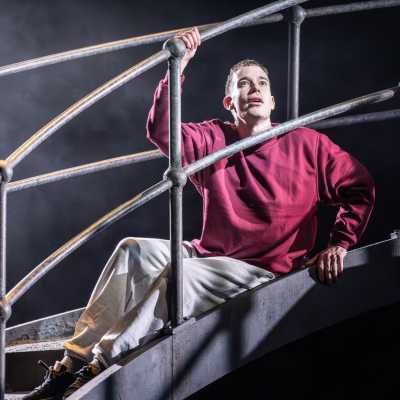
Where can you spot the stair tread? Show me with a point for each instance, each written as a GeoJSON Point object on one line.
{"type": "Point", "coordinates": [14, 396]}
{"type": "Point", "coordinates": [36, 346]}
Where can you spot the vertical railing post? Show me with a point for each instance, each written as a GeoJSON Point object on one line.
{"type": "Point", "coordinates": [296, 16]}
{"type": "Point", "coordinates": [178, 177]}
{"type": "Point", "coordinates": [5, 310]}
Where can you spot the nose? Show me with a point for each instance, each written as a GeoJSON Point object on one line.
{"type": "Point", "coordinates": [255, 87]}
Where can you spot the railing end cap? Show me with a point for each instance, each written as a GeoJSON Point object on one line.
{"type": "Point", "coordinates": [176, 47]}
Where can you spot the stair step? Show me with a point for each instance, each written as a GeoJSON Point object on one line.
{"type": "Point", "coordinates": [36, 346]}
{"type": "Point", "coordinates": [26, 355]}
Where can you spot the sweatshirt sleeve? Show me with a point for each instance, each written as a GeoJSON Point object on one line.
{"type": "Point", "coordinates": [194, 144]}
{"type": "Point", "coordinates": [344, 182]}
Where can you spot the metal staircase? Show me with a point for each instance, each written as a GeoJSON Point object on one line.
{"type": "Point", "coordinates": [196, 352]}
{"type": "Point", "coordinates": [177, 364]}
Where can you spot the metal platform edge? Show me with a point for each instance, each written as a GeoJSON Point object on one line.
{"type": "Point", "coordinates": [249, 326]}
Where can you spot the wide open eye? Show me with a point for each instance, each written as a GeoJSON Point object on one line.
{"type": "Point", "coordinates": [243, 83]}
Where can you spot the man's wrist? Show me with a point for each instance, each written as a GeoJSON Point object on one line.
{"type": "Point", "coordinates": [343, 246]}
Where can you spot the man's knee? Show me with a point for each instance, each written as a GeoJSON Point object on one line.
{"type": "Point", "coordinates": [143, 246]}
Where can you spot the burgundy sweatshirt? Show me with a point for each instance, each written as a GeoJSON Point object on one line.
{"type": "Point", "coordinates": [260, 205]}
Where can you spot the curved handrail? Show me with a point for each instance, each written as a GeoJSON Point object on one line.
{"type": "Point", "coordinates": [116, 162]}
{"type": "Point", "coordinates": [51, 127]}
{"type": "Point", "coordinates": [352, 7]}
{"type": "Point", "coordinates": [357, 119]}
{"type": "Point", "coordinates": [50, 262]}
{"type": "Point", "coordinates": [304, 120]}
{"type": "Point", "coordinates": [83, 170]}
{"type": "Point", "coordinates": [107, 47]}
{"type": "Point", "coordinates": [55, 258]}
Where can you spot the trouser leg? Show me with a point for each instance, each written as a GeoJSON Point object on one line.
{"type": "Point", "coordinates": [207, 282]}
{"type": "Point", "coordinates": [123, 284]}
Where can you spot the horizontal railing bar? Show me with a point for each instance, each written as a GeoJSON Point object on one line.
{"type": "Point", "coordinates": [352, 7]}
{"type": "Point", "coordinates": [127, 43]}
{"type": "Point", "coordinates": [285, 127]}
{"type": "Point", "coordinates": [86, 52]}
{"type": "Point", "coordinates": [252, 15]}
{"type": "Point", "coordinates": [357, 119]}
{"type": "Point", "coordinates": [51, 127]}
{"type": "Point", "coordinates": [84, 169]}
{"type": "Point", "coordinates": [121, 44]}
{"type": "Point", "coordinates": [55, 258]}
{"type": "Point", "coordinates": [118, 45]}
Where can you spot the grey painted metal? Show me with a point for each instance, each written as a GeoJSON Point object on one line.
{"type": "Point", "coordinates": [357, 119]}
{"type": "Point", "coordinates": [296, 16]}
{"type": "Point", "coordinates": [161, 36]}
{"type": "Point", "coordinates": [55, 124]}
{"type": "Point", "coordinates": [84, 169]}
{"type": "Point", "coordinates": [137, 41]}
{"type": "Point", "coordinates": [102, 48]}
{"type": "Point", "coordinates": [55, 258]}
{"type": "Point", "coordinates": [51, 127]}
{"type": "Point", "coordinates": [145, 374]}
{"type": "Point", "coordinates": [242, 19]}
{"type": "Point", "coordinates": [3, 316]}
{"type": "Point", "coordinates": [49, 328]}
{"type": "Point", "coordinates": [175, 168]}
{"type": "Point", "coordinates": [251, 325]}
{"type": "Point", "coordinates": [377, 258]}
{"type": "Point", "coordinates": [352, 7]}
{"type": "Point", "coordinates": [285, 127]}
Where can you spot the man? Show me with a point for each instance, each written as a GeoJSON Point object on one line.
{"type": "Point", "coordinates": [259, 221]}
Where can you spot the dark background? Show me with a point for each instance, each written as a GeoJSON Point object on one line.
{"type": "Point", "coordinates": [343, 57]}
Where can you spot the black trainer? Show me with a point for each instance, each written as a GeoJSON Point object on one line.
{"type": "Point", "coordinates": [84, 375]}
{"type": "Point", "coordinates": [54, 385]}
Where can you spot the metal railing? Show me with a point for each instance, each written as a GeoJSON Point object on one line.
{"type": "Point", "coordinates": [176, 176]}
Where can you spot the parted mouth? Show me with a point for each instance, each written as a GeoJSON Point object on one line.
{"type": "Point", "coordinates": [254, 100]}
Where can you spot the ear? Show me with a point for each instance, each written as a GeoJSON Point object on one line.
{"type": "Point", "coordinates": [227, 102]}
{"type": "Point", "coordinates": [273, 103]}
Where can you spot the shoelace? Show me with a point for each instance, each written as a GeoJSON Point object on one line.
{"type": "Point", "coordinates": [47, 376]}
{"type": "Point", "coordinates": [85, 372]}
{"type": "Point", "coordinates": [44, 365]}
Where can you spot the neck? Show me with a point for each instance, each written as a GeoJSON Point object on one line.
{"type": "Point", "coordinates": [246, 129]}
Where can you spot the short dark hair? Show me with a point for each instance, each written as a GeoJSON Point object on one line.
{"type": "Point", "coordinates": [244, 63]}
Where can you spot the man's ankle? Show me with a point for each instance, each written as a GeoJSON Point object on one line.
{"type": "Point", "coordinates": [96, 366]}
{"type": "Point", "coordinates": [72, 364]}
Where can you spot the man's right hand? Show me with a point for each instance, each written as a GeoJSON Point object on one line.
{"type": "Point", "coordinates": [192, 41]}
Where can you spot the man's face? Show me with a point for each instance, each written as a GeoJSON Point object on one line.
{"type": "Point", "coordinates": [250, 98]}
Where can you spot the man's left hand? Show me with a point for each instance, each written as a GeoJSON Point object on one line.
{"type": "Point", "coordinates": [329, 263]}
